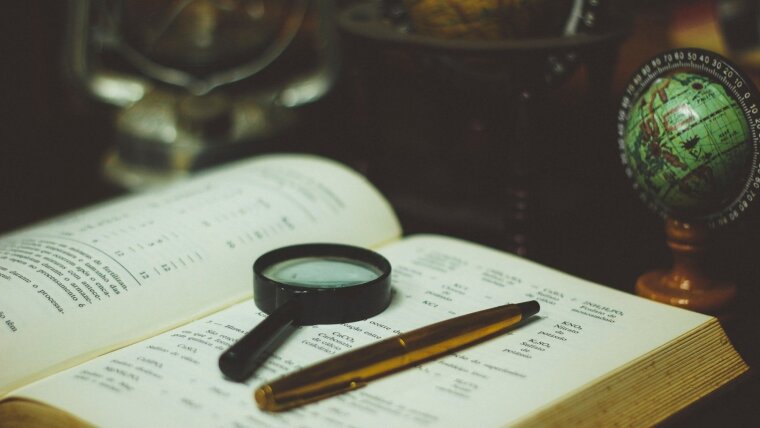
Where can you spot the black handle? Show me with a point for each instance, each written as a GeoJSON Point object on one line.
{"type": "Point", "coordinates": [248, 353]}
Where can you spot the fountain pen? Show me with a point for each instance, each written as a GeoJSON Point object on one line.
{"type": "Point", "coordinates": [354, 369]}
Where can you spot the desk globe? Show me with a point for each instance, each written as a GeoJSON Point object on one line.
{"type": "Point", "coordinates": [687, 131]}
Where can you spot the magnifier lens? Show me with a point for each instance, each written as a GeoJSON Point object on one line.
{"type": "Point", "coordinates": [322, 272]}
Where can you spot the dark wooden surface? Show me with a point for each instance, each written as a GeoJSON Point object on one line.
{"type": "Point", "coordinates": [583, 217]}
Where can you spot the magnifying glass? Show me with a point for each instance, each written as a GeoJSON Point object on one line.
{"type": "Point", "coordinates": [308, 284]}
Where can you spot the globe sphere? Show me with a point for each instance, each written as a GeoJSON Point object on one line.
{"type": "Point", "coordinates": [687, 145]}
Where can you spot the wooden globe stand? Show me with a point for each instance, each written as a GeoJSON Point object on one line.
{"type": "Point", "coordinates": [688, 284]}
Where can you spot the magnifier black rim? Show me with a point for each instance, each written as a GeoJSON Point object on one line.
{"type": "Point", "coordinates": [326, 305]}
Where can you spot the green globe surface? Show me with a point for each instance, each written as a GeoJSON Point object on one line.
{"type": "Point", "coordinates": [688, 145]}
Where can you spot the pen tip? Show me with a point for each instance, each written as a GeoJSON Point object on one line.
{"type": "Point", "coordinates": [529, 308]}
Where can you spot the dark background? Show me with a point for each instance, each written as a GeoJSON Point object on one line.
{"type": "Point", "coordinates": [583, 217]}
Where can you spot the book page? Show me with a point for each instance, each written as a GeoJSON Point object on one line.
{"type": "Point", "coordinates": [127, 269]}
{"type": "Point", "coordinates": [583, 332]}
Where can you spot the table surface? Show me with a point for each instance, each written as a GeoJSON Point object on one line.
{"type": "Point", "coordinates": [591, 224]}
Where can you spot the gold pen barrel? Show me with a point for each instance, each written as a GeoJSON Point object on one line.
{"type": "Point", "coordinates": [354, 369]}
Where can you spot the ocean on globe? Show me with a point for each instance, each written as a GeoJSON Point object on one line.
{"type": "Point", "coordinates": [688, 145]}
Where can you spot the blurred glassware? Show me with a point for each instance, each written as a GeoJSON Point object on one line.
{"type": "Point", "coordinates": [198, 82]}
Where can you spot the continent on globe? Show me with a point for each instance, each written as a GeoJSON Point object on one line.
{"type": "Point", "coordinates": [688, 145]}
{"type": "Point", "coordinates": [489, 19]}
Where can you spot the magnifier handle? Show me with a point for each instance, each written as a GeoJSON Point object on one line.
{"type": "Point", "coordinates": [241, 359]}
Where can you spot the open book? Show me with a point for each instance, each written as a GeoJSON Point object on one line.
{"type": "Point", "coordinates": [116, 316]}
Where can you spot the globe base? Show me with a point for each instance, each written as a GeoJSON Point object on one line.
{"type": "Point", "coordinates": [687, 284]}
{"type": "Point", "coordinates": [712, 297]}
